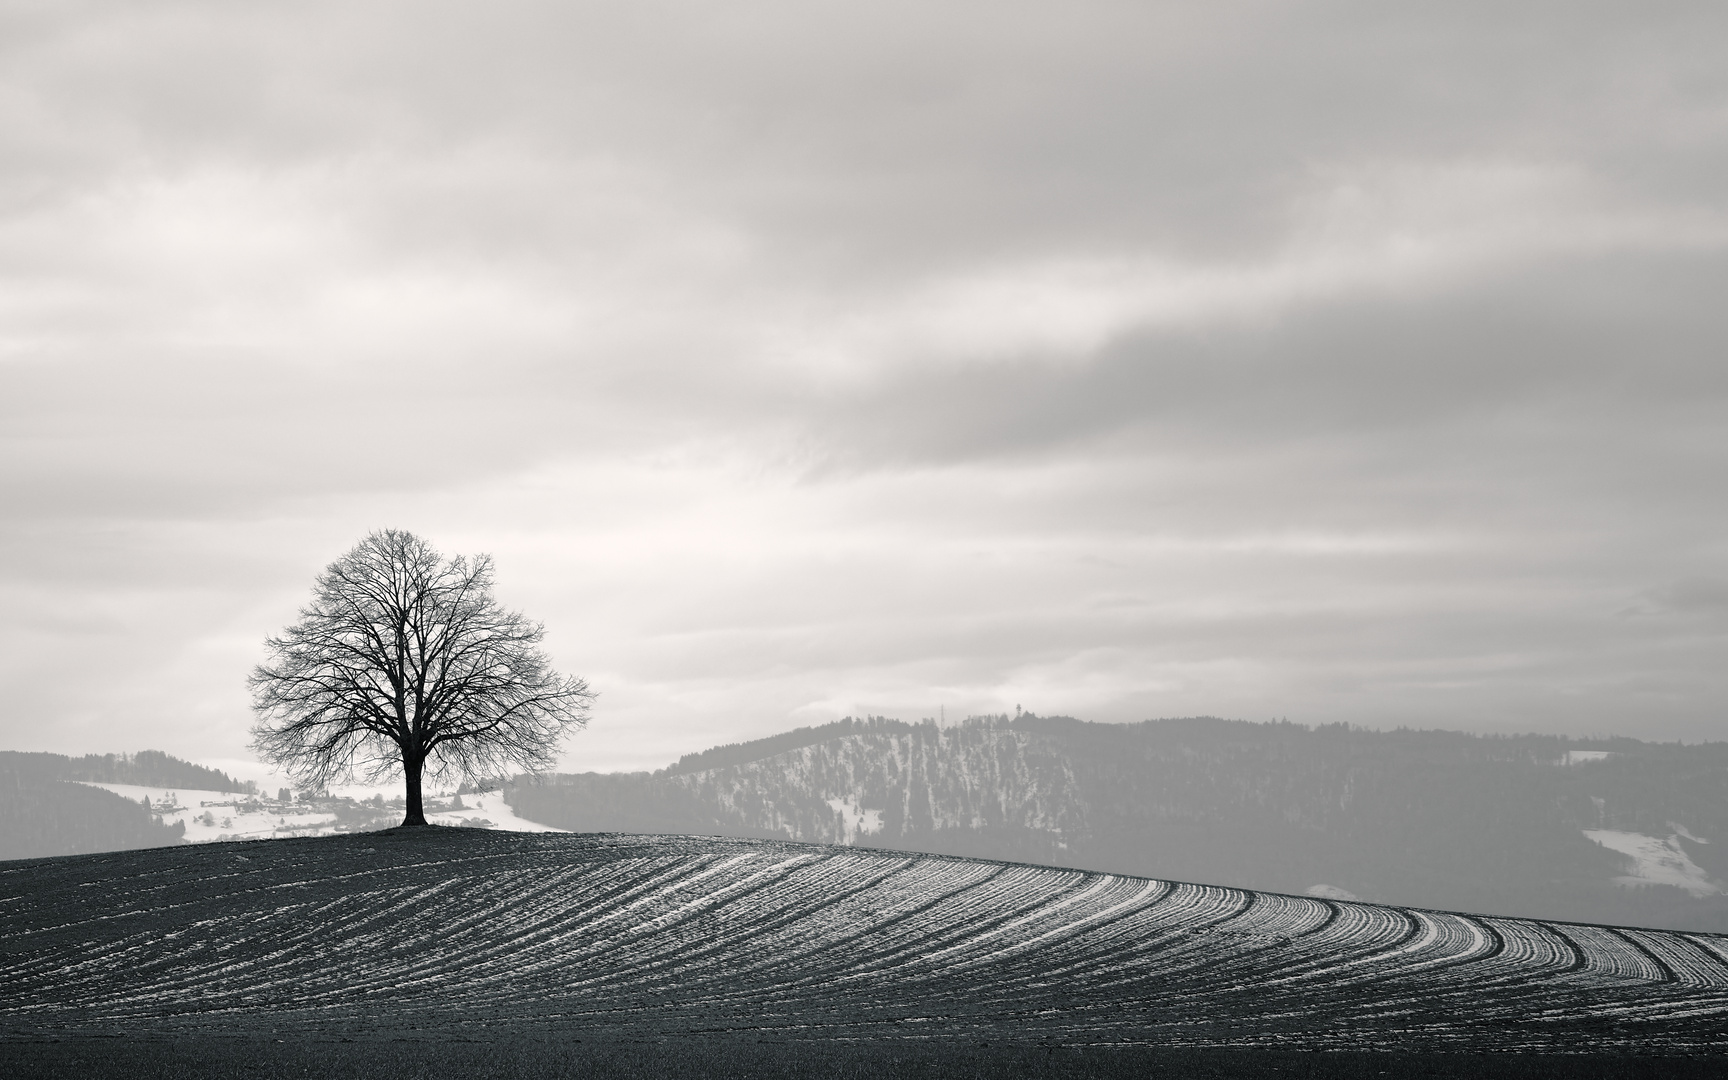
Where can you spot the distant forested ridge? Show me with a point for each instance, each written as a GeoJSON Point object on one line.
{"type": "Point", "coordinates": [1438, 819]}
{"type": "Point", "coordinates": [44, 811]}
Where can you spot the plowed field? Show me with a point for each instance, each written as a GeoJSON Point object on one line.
{"type": "Point", "coordinates": [465, 934]}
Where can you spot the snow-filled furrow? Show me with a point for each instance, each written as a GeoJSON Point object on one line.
{"type": "Point", "coordinates": [529, 909]}
{"type": "Point", "coordinates": [484, 909]}
{"type": "Point", "coordinates": [925, 919]}
{"type": "Point", "coordinates": [1609, 955]}
{"type": "Point", "coordinates": [1021, 918]}
{"type": "Point", "coordinates": [790, 939]}
{"type": "Point", "coordinates": [871, 929]}
{"type": "Point", "coordinates": [1715, 945]}
{"type": "Point", "coordinates": [665, 929]}
{"type": "Point", "coordinates": [1062, 929]}
{"type": "Point", "coordinates": [1167, 949]}
{"type": "Point", "coordinates": [735, 927]}
{"type": "Point", "coordinates": [1361, 939]}
{"type": "Point", "coordinates": [217, 953]}
{"type": "Point", "coordinates": [1253, 932]}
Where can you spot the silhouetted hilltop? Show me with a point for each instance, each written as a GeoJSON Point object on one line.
{"type": "Point", "coordinates": [1543, 826]}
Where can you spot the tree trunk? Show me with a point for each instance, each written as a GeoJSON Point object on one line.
{"type": "Point", "coordinates": [416, 810]}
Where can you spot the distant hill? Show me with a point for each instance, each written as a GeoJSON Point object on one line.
{"type": "Point", "coordinates": [44, 811]}
{"type": "Point", "coordinates": [452, 936]}
{"type": "Point", "coordinates": [1616, 830]}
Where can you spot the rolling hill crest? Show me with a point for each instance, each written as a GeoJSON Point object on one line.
{"type": "Point", "coordinates": [1540, 826]}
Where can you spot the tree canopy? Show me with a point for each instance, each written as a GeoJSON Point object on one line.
{"type": "Point", "coordinates": [403, 663]}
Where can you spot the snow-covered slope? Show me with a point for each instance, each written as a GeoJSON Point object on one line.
{"type": "Point", "coordinates": [1657, 860]}
{"type": "Point", "coordinates": [896, 784]}
{"type": "Point", "coordinates": [215, 816]}
{"type": "Point", "coordinates": [485, 811]}
{"type": "Point", "coordinates": [211, 816]}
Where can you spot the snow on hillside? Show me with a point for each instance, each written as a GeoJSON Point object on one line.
{"type": "Point", "coordinates": [1656, 861]}
{"type": "Point", "coordinates": [216, 816]}
{"type": "Point", "coordinates": [487, 811]}
{"type": "Point", "coordinates": [211, 816]}
{"type": "Point", "coordinates": [956, 778]}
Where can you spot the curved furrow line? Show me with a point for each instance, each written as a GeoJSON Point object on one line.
{"type": "Point", "coordinates": [43, 967]}
{"type": "Point", "coordinates": [972, 915]}
{"type": "Point", "coordinates": [1239, 949]}
{"type": "Point", "coordinates": [789, 940]}
{"type": "Point", "coordinates": [864, 964]}
{"type": "Point", "coordinates": [1091, 941]}
{"type": "Point", "coordinates": [1359, 935]}
{"type": "Point", "coordinates": [888, 937]}
{"type": "Point", "coordinates": [1071, 914]}
{"type": "Point", "coordinates": [1665, 973]}
{"type": "Point", "coordinates": [1146, 938]}
{"type": "Point", "coordinates": [725, 930]}
{"type": "Point", "coordinates": [1169, 951]}
{"type": "Point", "coordinates": [1307, 919]}
{"type": "Point", "coordinates": [316, 939]}
{"type": "Point", "coordinates": [1171, 923]}
{"type": "Point", "coordinates": [138, 954]}
{"type": "Point", "coordinates": [230, 885]}
{"type": "Point", "coordinates": [885, 929]}
{"type": "Point", "coordinates": [612, 895]}
{"type": "Point", "coordinates": [1446, 940]}
{"type": "Point", "coordinates": [1714, 944]}
{"type": "Point", "coordinates": [1532, 960]}
{"type": "Point", "coordinates": [501, 923]}
{"type": "Point", "coordinates": [1444, 951]}
{"type": "Point", "coordinates": [1689, 963]}
{"type": "Point", "coordinates": [903, 930]}
{"type": "Point", "coordinates": [1531, 946]}
{"type": "Point", "coordinates": [1315, 948]}
{"type": "Point", "coordinates": [627, 941]}
{"type": "Point", "coordinates": [1580, 960]}
{"type": "Point", "coordinates": [1609, 957]}
{"type": "Point", "coordinates": [377, 943]}
{"type": "Point", "coordinates": [474, 916]}
{"type": "Point", "coordinates": [197, 973]}
{"type": "Point", "coordinates": [428, 949]}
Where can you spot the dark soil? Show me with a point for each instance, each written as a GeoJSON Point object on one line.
{"type": "Point", "coordinates": [456, 952]}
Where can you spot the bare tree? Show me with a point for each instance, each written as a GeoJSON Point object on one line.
{"type": "Point", "coordinates": [404, 662]}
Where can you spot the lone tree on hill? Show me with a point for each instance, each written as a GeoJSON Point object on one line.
{"type": "Point", "coordinates": [404, 661]}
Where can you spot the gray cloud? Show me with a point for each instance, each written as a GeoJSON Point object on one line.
{"type": "Point", "coordinates": [1326, 360]}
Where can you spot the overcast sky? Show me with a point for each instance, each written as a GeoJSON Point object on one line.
{"type": "Point", "coordinates": [1330, 361]}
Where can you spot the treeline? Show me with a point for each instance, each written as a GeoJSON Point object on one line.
{"type": "Point", "coordinates": [147, 768]}
{"type": "Point", "coordinates": [44, 811]}
{"type": "Point", "coordinates": [796, 739]}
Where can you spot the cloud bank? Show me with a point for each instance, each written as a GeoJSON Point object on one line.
{"type": "Point", "coordinates": [795, 360]}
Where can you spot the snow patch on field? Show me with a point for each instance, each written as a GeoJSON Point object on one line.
{"type": "Point", "coordinates": [1656, 861]}
{"type": "Point", "coordinates": [488, 811]}
{"type": "Point", "coordinates": [215, 816]}
{"type": "Point", "coordinates": [1579, 757]}
{"type": "Point", "coordinates": [211, 816]}
{"type": "Point", "coordinates": [855, 821]}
